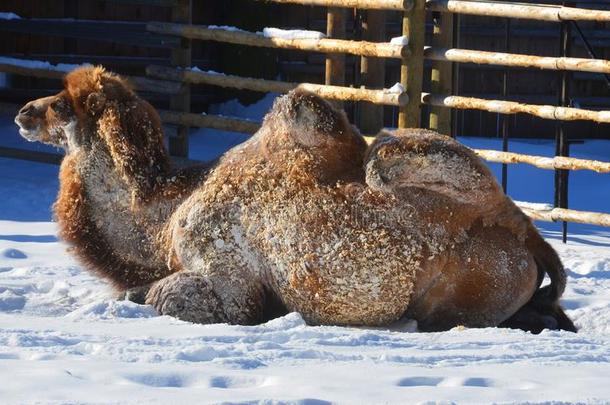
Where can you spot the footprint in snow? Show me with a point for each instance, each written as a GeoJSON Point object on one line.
{"type": "Point", "coordinates": [237, 382]}
{"type": "Point", "coordinates": [161, 380]}
{"type": "Point", "coordinates": [13, 254]}
{"type": "Point", "coordinates": [420, 382]}
{"type": "Point", "coordinates": [455, 382]}
{"type": "Point", "coordinates": [9, 301]}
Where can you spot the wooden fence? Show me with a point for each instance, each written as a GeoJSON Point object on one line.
{"type": "Point", "coordinates": [408, 96]}
{"type": "Point", "coordinates": [566, 16]}
{"type": "Point", "coordinates": [412, 53]}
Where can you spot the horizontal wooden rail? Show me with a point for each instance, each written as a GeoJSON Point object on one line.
{"type": "Point", "coordinates": [564, 214]}
{"type": "Point", "coordinates": [511, 107]}
{"type": "Point", "coordinates": [325, 45]}
{"type": "Point", "coordinates": [157, 3]}
{"type": "Point", "coordinates": [552, 163]}
{"type": "Point", "coordinates": [30, 155]}
{"type": "Point", "coordinates": [13, 66]}
{"type": "Point", "coordinates": [517, 60]}
{"type": "Point", "coordinates": [45, 73]}
{"type": "Point", "coordinates": [56, 158]}
{"type": "Point", "coordinates": [250, 126]}
{"type": "Point", "coordinates": [384, 97]}
{"type": "Point", "coordinates": [543, 162]}
{"type": "Point", "coordinates": [153, 86]}
{"type": "Point", "coordinates": [120, 32]}
{"type": "Point", "coordinates": [364, 4]}
{"type": "Point", "coordinates": [210, 121]}
{"type": "Point", "coordinates": [538, 12]}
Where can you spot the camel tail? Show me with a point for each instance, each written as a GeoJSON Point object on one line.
{"type": "Point", "coordinates": [548, 263]}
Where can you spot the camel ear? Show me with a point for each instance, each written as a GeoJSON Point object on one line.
{"type": "Point", "coordinates": [95, 103]}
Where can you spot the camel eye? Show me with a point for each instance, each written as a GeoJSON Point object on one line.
{"type": "Point", "coordinates": [60, 106]}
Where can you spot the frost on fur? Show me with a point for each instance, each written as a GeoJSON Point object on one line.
{"type": "Point", "coordinates": [301, 217]}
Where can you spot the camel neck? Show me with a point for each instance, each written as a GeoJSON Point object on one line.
{"type": "Point", "coordinates": [110, 234]}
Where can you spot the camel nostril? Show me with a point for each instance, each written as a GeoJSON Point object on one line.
{"type": "Point", "coordinates": [26, 110]}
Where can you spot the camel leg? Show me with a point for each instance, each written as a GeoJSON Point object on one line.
{"type": "Point", "coordinates": [203, 298]}
{"type": "Point", "coordinates": [134, 294]}
{"type": "Point", "coordinates": [218, 279]}
{"type": "Point", "coordinates": [484, 281]}
{"type": "Point", "coordinates": [537, 315]}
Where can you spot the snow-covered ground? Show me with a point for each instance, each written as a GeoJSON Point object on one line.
{"type": "Point", "coordinates": [65, 339]}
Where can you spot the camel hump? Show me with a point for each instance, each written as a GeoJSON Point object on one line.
{"type": "Point", "coordinates": [302, 126]}
{"type": "Point", "coordinates": [305, 112]}
{"type": "Point", "coordinates": [309, 120]}
{"type": "Point", "coordinates": [424, 159]}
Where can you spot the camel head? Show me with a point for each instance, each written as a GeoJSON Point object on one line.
{"type": "Point", "coordinates": [98, 112]}
{"type": "Point", "coordinates": [49, 120]}
{"type": "Point", "coordinates": [59, 120]}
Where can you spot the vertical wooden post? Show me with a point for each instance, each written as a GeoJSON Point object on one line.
{"type": "Point", "coordinates": [504, 117]}
{"type": "Point", "coordinates": [181, 57]}
{"type": "Point", "coordinates": [455, 114]}
{"type": "Point", "coordinates": [441, 79]}
{"type": "Point", "coordinates": [372, 71]}
{"type": "Point", "coordinates": [562, 147]}
{"type": "Point", "coordinates": [412, 67]}
{"type": "Point", "coordinates": [335, 63]}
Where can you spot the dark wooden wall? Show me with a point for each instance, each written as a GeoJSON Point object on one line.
{"type": "Point", "coordinates": [587, 90]}
{"type": "Point", "coordinates": [536, 38]}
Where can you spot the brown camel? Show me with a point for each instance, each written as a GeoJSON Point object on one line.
{"type": "Point", "coordinates": [302, 217]}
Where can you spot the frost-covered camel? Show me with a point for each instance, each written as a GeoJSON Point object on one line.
{"type": "Point", "coordinates": [302, 217]}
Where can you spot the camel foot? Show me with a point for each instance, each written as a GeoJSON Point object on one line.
{"type": "Point", "coordinates": [187, 296]}
{"type": "Point", "coordinates": [535, 317]}
{"type": "Point", "coordinates": [135, 294]}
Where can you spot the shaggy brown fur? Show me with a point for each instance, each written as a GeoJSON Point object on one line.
{"type": "Point", "coordinates": [302, 217]}
{"type": "Point", "coordinates": [414, 226]}
{"type": "Point", "coordinates": [440, 172]}
{"type": "Point", "coordinates": [116, 186]}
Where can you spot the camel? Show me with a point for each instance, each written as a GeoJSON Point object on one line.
{"type": "Point", "coordinates": [304, 216]}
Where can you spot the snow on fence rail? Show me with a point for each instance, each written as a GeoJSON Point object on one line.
{"type": "Point", "coordinates": [517, 60]}
{"type": "Point", "coordinates": [403, 5]}
{"type": "Point", "coordinates": [46, 70]}
{"type": "Point", "coordinates": [564, 214]}
{"type": "Point", "coordinates": [385, 97]}
{"type": "Point", "coordinates": [540, 12]}
{"type": "Point", "coordinates": [512, 107]}
{"type": "Point", "coordinates": [326, 45]}
{"type": "Point", "coordinates": [552, 163]}
{"type": "Point", "coordinates": [209, 121]}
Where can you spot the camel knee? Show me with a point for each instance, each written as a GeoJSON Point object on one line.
{"type": "Point", "coordinates": [199, 298]}
{"type": "Point", "coordinates": [187, 296]}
